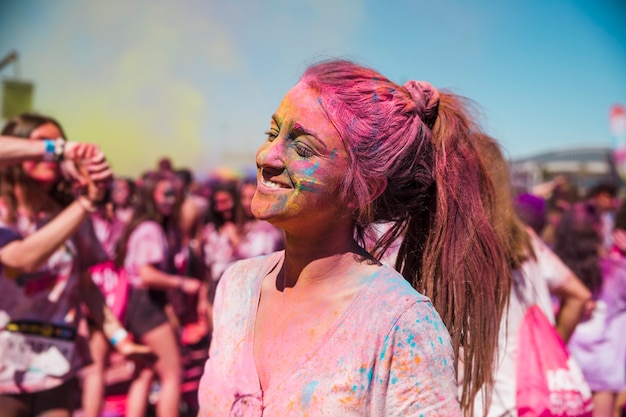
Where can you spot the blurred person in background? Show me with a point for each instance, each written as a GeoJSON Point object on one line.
{"type": "Point", "coordinates": [108, 228]}
{"type": "Point", "coordinates": [222, 233]}
{"type": "Point", "coordinates": [560, 194]}
{"type": "Point", "coordinates": [535, 273]}
{"type": "Point", "coordinates": [599, 342]}
{"type": "Point", "coordinates": [45, 260]}
{"type": "Point", "coordinates": [192, 310]}
{"type": "Point", "coordinates": [531, 210]}
{"type": "Point", "coordinates": [146, 251]}
{"type": "Point", "coordinates": [259, 236]}
{"type": "Point", "coordinates": [122, 198]}
{"type": "Point", "coordinates": [604, 196]}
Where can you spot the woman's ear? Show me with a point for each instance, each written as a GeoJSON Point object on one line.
{"type": "Point", "coordinates": [377, 187]}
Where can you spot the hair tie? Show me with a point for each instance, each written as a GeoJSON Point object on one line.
{"type": "Point", "coordinates": [426, 98]}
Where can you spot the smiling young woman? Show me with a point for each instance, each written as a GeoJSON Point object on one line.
{"type": "Point", "coordinates": [322, 328]}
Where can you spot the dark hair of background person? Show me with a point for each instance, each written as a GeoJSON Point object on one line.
{"type": "Point", "coordinates": [578, 241]}
{"type": "Point", "coordinates": [145, 209]}
{"type": "Point", "coordinates": [215, 216]}
{"type": "Point", "coordinates": [620, 217]}
{"type": "Point", "coordinates": [609, 188]}
{"type": "Point", "coordinates": [185, 175]}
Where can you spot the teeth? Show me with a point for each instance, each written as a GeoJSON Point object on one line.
{"type": "Point", "coordinates": [269, 183]}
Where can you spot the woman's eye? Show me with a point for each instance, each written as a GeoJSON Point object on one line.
{"type": "Point", "coordinates": [271, 135]}
{"type": "Point", "coordinates": [303, 151]}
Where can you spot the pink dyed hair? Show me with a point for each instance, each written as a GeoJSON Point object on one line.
{"type": "Point", "coordinates": [439, 198]}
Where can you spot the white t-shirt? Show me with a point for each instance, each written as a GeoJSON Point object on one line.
{"type": "Point", "coordinates": [532, 284]}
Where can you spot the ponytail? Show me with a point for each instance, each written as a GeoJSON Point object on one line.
{"type": "Point", "coordinates": [453, 254]}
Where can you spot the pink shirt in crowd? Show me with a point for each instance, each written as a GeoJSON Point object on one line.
{"type": "Point", "coordinates": [388, 354]}
{"type": "Point", "coordinates": [147, 245]}
{"type": "Point", "coordinates": [260, 238]}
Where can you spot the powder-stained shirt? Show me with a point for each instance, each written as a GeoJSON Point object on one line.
{"type": "Point", "coordinates": [147, 245]}
{"type": "Point", "coordinates": [388, 354]}
{"type": "Point", "coordinates": [599, 343]}
{"type": "Point", "coordinates": [40, 311]}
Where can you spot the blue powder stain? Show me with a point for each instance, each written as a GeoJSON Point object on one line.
{"type": "Point", "coordinates": [411, 340]}
{"type": "Point", "coordinates": [383, 352]}
{"type": "Point", "coordinates": [307, 393]}
{"type": "Point", "coordinates": [333, 154]}
{"type": "Point", "coordinates": [311, 171]}
{"type": "Point", "coordinates": [445, 361]}
{"type": "Point", "coordinates": [394, 380]}
{"type": "Point", "coordinates": [440, 340]}
{"type": "Point", "coordinates": [353, 388]}
{"type": "Point", "coordinates": [370, 375]}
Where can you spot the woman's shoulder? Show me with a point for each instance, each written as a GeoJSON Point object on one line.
{"type": "Point", "coordinates": [390, 294]}
{"type": "Point", "coordinates": [391, 284]}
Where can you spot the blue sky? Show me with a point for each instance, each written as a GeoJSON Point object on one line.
{"type": "Point", "coordinates": [198, 80]}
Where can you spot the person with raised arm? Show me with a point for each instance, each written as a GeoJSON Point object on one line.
{"type": "Point", "coordinates": [46, 251]}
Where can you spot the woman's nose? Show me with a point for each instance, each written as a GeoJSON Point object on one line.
{"type": "Point", "coordinates": [270, 154]}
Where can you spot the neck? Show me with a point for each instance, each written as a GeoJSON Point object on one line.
{"type": "Point", "coordinates": [314, 259]}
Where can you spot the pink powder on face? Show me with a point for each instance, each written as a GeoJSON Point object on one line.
{"type": "Point", "coordinates": [305, 157]}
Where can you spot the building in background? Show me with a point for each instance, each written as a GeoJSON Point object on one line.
{"type": "Point", "coordinates": [583, 166]}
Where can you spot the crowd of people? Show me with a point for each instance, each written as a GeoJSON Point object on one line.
{"type": "Point", "coordinates": [378, 264]}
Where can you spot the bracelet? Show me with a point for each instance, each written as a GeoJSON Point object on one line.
{"type": "Point", "coordinates": [49, 154]}
{"type": "Point", "coordinates": [86, 204]}
{"type": "Point", "coordinates": [118, 335]}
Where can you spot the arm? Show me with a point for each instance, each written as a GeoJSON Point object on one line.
{"type": "Point", "coordinates": [30, 253]}
{"type": "Point", "coordinates": [574, 298]}
{"type": "Point", "coordinates": [14, 150]}
{"type": "Point", "coordinates": [154, 278]}
{"type": "Point", "coordinates": [111, 327]}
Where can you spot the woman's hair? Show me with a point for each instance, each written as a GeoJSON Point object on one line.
{"type": "Point", "coordinates": [620, 216]}
{"type": "Point", "coordinates": [578, 241]}
{"type": "Point", "coordinates": [215, 216]}
{"type": "Point", "coordinates": [512, 231]}
{"type": "Point", "coordinates": [438, 197]}
{"type": "Point", "coordinates": [145, 209]}
{"type": "Point", "coordinates": [132, 189]}
{"type": "Point", "coordinates": [60, 194]}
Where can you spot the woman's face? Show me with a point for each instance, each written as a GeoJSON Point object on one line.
{"type": "Point", "coordinates": [224, 204]}
{"type": "Point", "coordinates": [120, 193]}
{"type": "Point", "coordinates": [301, 165]}
{"type": "Point", "coordinates": [44, 172]}
{"type": "Point", "coordinates": [165, 197]}
{"type": "Point", "coordinates": [246, 195]}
